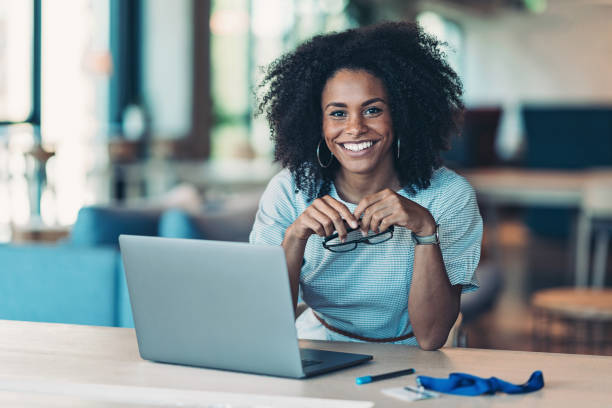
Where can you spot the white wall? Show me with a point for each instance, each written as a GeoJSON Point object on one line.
{"type": "Point", "coordinates": [563, 55]}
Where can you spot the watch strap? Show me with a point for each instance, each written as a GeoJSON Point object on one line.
{"type": "Point", "coordinates": [433, 239]}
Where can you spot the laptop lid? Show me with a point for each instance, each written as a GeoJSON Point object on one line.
{"type": "Point", "coordinates": [213, 304]}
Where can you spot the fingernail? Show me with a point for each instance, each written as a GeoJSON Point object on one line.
{"type": "Point", "coordinates": [354, 224]}
{"type": "Point", "coordinates": [342, 240]}
{"type": "Point", "coordinates": [364, 233]}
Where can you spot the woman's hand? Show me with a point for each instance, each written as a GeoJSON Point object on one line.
{"type": "Point", "coordinates": [385, 208]}
{"type": "Point", "coordinates": [324, 216]}
{"type": "Point", "coordinates": [321, 217]}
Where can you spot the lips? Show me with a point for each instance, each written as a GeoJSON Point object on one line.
{"type": "Point", "coordinates": [357, 147]}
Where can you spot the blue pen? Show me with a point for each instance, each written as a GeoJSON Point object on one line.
{"type": "Point", "coordinates": [372, 378]}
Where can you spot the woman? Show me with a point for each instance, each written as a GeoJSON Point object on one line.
{"type": "Point", "coordinates": [359, 119]}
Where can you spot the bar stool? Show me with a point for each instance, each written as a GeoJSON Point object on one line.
{"type": "Point", "coordinates": [571, 319]}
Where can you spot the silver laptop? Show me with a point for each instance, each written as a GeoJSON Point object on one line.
{"type": "Point", "coordinates": [222, 305]}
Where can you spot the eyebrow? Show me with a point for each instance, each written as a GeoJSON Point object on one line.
{"type": "Point", "coordinates": [343, 105]}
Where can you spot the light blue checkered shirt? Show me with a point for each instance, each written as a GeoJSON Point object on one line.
{"type": "Point", "coordinates": [366, 291]}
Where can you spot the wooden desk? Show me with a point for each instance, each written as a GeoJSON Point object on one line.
{"type": "Point", "coordinates": [45, 364]}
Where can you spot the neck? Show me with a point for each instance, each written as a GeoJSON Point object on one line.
{"type": "Point", "coordinates": [353, 187]}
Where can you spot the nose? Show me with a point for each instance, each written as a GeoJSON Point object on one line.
{"type": "Point", "coordinates": [355, 125]}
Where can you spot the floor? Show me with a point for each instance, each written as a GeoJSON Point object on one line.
{"type": "Point", "coordinates": [528, 262]}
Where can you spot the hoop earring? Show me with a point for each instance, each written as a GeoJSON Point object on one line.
{"type": "Point", "coordinates": [319, 157]}
{"type": "Point", "coordinates": [398, 147]}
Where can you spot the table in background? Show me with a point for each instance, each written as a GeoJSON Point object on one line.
{"type": "Point", "coordinates": [517, 186]}
{"type": "Point", "coordinates": [38, 232]}
{"type": "Point", "coordinates": [54, 364]}
{"type": "Point", "coordinates": [537, 187]}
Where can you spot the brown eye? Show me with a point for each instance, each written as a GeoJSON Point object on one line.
{"type": "Point", "coordinates": [373, 110]}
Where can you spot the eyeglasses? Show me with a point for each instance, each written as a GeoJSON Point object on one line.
{"type": "Point", "coordinates": [353, 238]}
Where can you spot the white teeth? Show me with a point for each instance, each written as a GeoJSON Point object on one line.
{"type": "Point", "coordinates": [356, 147]}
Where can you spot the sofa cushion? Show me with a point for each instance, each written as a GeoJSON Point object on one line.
{"type": "Point", "coordinates": [178, 223]}
{"type": "Point", "coordinates": [100, 225]}
{"type": "Point", "coordinates": [59, 284]}
{"type": "Point", "coordinates": [227, 219]}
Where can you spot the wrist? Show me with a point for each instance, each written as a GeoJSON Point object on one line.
{"type": "Point", "coordinates": [428, 226]}
{"type": "Point", "coordinates": [292, 236]}
{"type": "Point", "coordinates": [431, 239]}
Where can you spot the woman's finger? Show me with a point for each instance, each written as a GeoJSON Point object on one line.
{"type": "Point", "coordinates": [386, 222]}
{"type": "Point", "coordinates": [333, 215]}
{"type": "Point", "coordinates": [377, 218]}
{"type": "Point", "coordinates": [368, 213]}
{"type": "Point", "coordinates": [308, 222]}
{"type": "Point", "coordinates": [366, 202]}
{"type": "Point", "coordinates": [323, 219]}
{"type": "Point", "coordinates": [342, 210]}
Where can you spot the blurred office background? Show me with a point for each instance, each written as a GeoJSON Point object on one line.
{"type": "Point", "coordinates": [147, 105]}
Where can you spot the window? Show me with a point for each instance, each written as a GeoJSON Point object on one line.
{"type": "Point", "coordinates": [17, 104]}
{"type": "Point", "coordinates": [448, 32]}
{"type": "Point", "coordinates": [247, 35]}
{"type": "Point", "coordinates": [75, 71]}
{"type": "Point", "coordinates": [16, 60]}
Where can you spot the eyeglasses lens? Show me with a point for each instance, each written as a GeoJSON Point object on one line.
{"type": "Point", "coordinates": [377, 239]}
{"type": "Point", "coordinates": [354, 237]}
{"type": "Point", "coordinates": [349, 246]}
{"type": "Point", "coordinates": [349, 243]}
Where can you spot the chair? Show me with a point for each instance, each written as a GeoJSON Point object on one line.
{"type": "Point", "coordinates": [572, 320]}
{"type": "Point", "coordinates": [569, 137]}
{"type": "Point", "coordinates": [454, 338]}
{"type": "Point", "coordinates": [581, 316]}
{"type": "Point", "coordinates": [595, 219]}
{"type": "Point", "coordinates": [475, 146]}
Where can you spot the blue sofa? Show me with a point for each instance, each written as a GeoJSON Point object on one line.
{"type": "Point", "coordinates": [81, 280]}
{"type": "Point", "coordinates": [62, 284]}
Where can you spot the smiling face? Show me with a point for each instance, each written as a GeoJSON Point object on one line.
{"type": "Point", "coordinates": [357, 123]}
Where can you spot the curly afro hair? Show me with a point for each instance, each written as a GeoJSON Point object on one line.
{"type": "Point", "coordinates": [424, 96]}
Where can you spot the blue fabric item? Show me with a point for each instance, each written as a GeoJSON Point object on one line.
{"type": "Point", "coordinates": [63, 284]}
{"type": "Point", "coordinates": [176, 223]}
{"type": "Point", "coordinates": [98, 225]}
{"type": "Point", "coordinates": [470, 385]}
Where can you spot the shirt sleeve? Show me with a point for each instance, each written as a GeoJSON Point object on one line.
{"type": "Point", "coordinates": [276, 211]}
{"type": "Point", "coordinates": [460, 233]}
